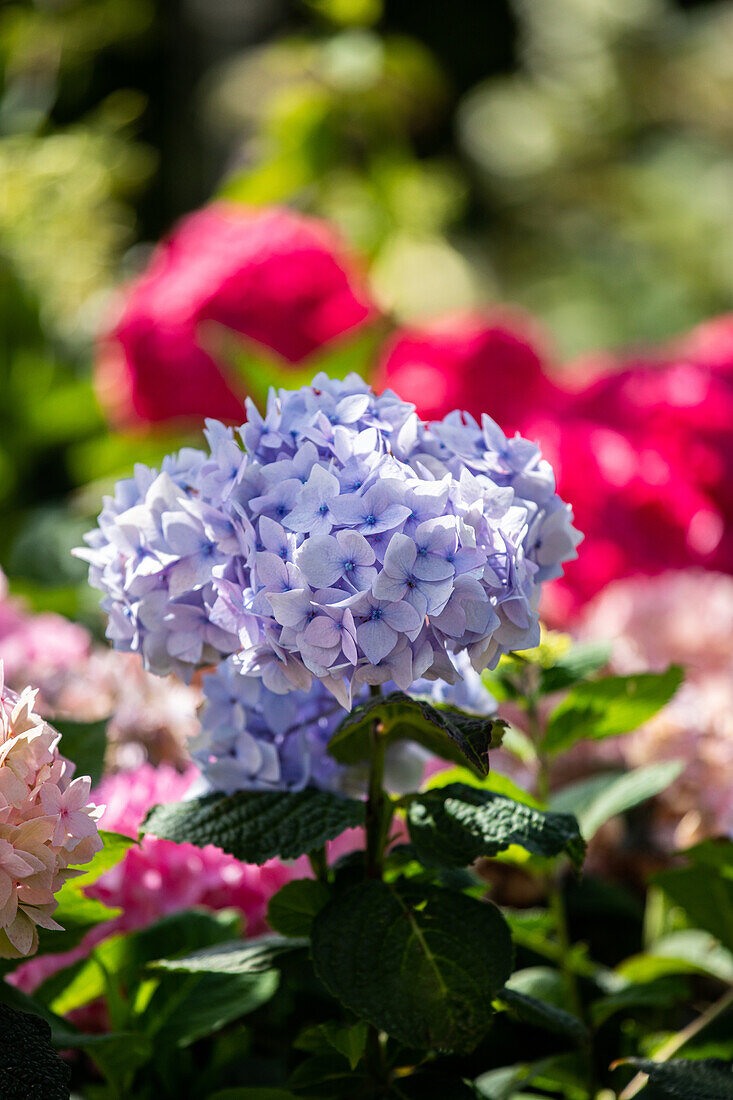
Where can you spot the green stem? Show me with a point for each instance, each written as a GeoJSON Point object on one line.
{"type": "Point", "coordinates": [555, 898]}
{"type": "Point", "coordinates": [376, 805]}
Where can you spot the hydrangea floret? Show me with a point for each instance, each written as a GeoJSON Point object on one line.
{"type": "Point", "coordinates": [345, 541]}
{"type": "Point", "coordinates": [255, 739]}
{"type": "Point", "coordinates": [47, 825]}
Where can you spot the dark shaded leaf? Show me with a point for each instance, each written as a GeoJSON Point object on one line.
{"type": "Point", "coordinates": [30, 1069]}
{"type": "Point", "coordinates": [255, 956]}
{"type": "Point", "coordinates": [293, 907]}
{"type": "Point", "coordinates": [542, 1014]}
{"type": "Point", "coordinates": [328, 1075]}
{"type": "Point", "coordinates": [687, 1079]}
{"type": "Point", "coordinates": [420, 962]}
{"type": "Point", "coordinates": [453, 826]}
{"type": "Point", "coordinates": [444, 731]}
{"type": "Point", "coordinates": [255, 826]}
{"type": "Point", "coordinates": [85, 743]}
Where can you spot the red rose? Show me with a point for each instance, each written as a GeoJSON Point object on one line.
{"type": "Point", "coordinates": [276, 277]}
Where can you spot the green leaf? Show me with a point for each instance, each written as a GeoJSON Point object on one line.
{"type": "Point", "coordinates": [187, 1007]}
{"type": "Point", "coordinates": [705, 894]}
{"type": "Point", "coordinates": [659, 993]}
{"type": "Point", "coordinates": [446, 732]}
{"type": "Point", "coordinates": [595, 801]}
{"type": "Point", "coordinates": [494, 781]}
{"type": "Point", "coordinates": [420, 962]}
{"type": "Point", "coordinates": [537, 995]}
{"type": "Point", "coordinates": [541, 1014]}
{"type": "Point", "coordinates": [117, 1054]}
{"type": "Point", "coordinates": [255, 826]}
{"type": "Point", "coordinates": [293, 907]}
{"type": "Point", "coordinates": [686, 952]}
{"type": "Point", "coordinates": [687, 1079]}
{"type": "Point", "coordinates": [85, 743]}
{"type": "Point", "coordinates": [255, 1093]}
{"type": "Point", "coordinates": [257, 956]}
{"type": "Point", "coordinates": [30, 1069]}
{"type": "Point", "coordinates": [608, 707]}
{"type": "Point", "coordinates": [124, 956]}
{"type": "Point", "coordinates": [349, 1042]}
{"type": "Point", "coordinates": [328, 1075]}
{"type": "Point", "coordinates": [576, 664]}
{"type": "Point", "coordinates": [455, 825]}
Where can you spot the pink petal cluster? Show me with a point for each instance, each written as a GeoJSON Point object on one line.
{"type": "Point", "coordinates": [641, 446]}
{"type": "Point", "coordinates": [47, 824]}
{"type": "Point", "coordinates": [271, 275]}
{"type": "Point", "coordinates": [35, 647]}
{"type": "Point", "coordinates": [150, 717]}
{"type": "Point", "coordinates": [684, 617]}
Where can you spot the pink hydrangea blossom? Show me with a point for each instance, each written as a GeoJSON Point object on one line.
{"type": "Point", "coordinates": [273, 276]}
{"type": "Point", "coordinates": [47, 824]}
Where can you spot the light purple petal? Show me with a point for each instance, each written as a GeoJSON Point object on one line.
{"type": "Point", "coordinates": [376, 639]}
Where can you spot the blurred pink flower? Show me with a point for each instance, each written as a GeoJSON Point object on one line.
{"type": "Point", "coordinates": [685, 618]}
{"type": "Point", "coordinates": [274, 276]}
{"type": "Point", "coordinates": [36, 646]}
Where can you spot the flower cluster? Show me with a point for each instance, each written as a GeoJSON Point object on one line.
{"type": "Point", "coordinates": [153, 553]}
{"type": "Point", "coordinates": [272, 276]}
{"type": "Point", "coordinates": [254, 739]}
{"type": "Point", "coordinates": [46, 823]}
{"type": "Point", "coordinates": [157, 877]}
{"type": "Point", "coordinates": [349, 542]}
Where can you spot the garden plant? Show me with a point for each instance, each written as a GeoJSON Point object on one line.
{"type": "Point", "coordinates": [358, 588]}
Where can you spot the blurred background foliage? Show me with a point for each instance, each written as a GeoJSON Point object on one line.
{"type": "Point", "coordinates": [573, 156]}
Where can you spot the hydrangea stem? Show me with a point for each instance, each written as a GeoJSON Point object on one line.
{"type": "Point", "coordinates": [375, 808]}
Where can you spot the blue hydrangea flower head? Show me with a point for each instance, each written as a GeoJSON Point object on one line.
{"type": "Point", "coordinates": [345, 543]}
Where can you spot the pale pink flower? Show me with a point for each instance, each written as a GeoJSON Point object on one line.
{"type": "Point", "coordinates": [46, 823]}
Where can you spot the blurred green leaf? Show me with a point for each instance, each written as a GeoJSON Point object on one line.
{"type": "Point", "coordinates": [596, 800]}
{"type": "Point", "coordinates": [293, 907]}
{"type": "Point", "coordinates": [85, 743]}
{"type": "Point", "coordinates": [609, 707]}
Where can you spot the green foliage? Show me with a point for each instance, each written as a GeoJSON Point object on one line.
{"type": "Point", "coordinates": [445, 732]}
{"type": "Point", "coordinates": [704, 888]}
{"type": "Point", "coordinates": [594, 801]}
{"type": "Point", "coordinates": [257, 956]}
{"type": "Point", "coordinates": [420, 962]}
{"type": "Point", "coordinates": [30, 1069]}
{"type": "Point", "coordinates": [257, 826]}
{"type": "Point", "coordinates": [76, 913]}
{"type": "Point", "coordinates": [349, 1042]}
{"type": "Point", "coordinates": [682, 1079]}
{"type": "Point", "coordinates": [452, 826]}
{"type": "Point", "coordinates": [293, 907]}
{"type": "Point", "coordinates": [608, 707]}
{"type": "Point", "coordinates": [544, 1015]}
{"type": "Point", "coordinates": [85, 743]}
